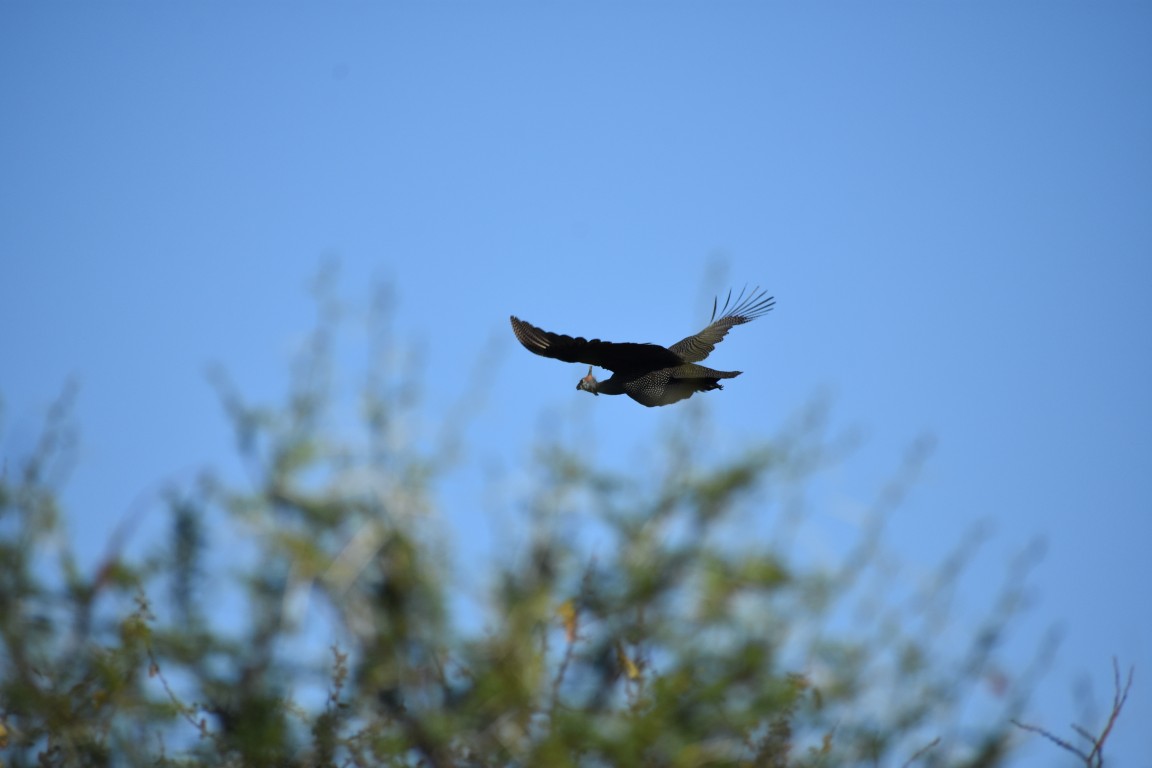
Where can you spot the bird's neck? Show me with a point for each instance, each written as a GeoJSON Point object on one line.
{"type": "Point", "coordinates": [612, 386]}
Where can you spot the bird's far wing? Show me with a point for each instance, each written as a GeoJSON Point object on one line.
{"type": "Point", "coordinates": [695, 348]}
{"type": "Point", "coordinates": [605, 354]}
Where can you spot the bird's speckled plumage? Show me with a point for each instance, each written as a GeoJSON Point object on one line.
{"type": "Point", "coordinates": [649, 373]}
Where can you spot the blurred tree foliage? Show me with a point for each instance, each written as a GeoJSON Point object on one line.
{"type": "Point", "coordinates": [309, 615]}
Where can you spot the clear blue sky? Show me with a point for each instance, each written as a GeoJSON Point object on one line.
{"type": "Point", "coordinates": [951, 202]}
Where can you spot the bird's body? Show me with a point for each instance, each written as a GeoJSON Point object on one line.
{"type": "Point", "coordinates": [648, 373]}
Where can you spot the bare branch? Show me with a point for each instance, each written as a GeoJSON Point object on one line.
{"type": "Point", "coordinates": [922, 751]}
{"type": "Point", "coordinates": [1119, 698]}
{"type": "Point", "coordinates": [1095, 758]}
{"type": "Point", "coordinates": [1051, 737]}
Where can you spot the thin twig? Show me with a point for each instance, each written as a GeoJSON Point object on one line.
{"type": "Point", "coordinates": [1095, 758]}
{"type": "Point", "coordinates": [1119, 698]}
{"type": "Point", "coordinates": [922, 751]}
{"type": "Point", "coordinates": [1051, 737]}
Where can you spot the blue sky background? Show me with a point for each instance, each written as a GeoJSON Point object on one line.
{"type": "Point", "coordinates": [951, 202]}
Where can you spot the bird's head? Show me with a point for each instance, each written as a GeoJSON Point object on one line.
{"type": "Point", "coordinates": [588, 383]}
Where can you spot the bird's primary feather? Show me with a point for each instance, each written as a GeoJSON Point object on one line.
{"type": "Point", "coordinates": [695, 348]}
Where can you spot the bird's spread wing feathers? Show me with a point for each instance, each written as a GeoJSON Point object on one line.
{"type": "Point", "coordinates": [695, 348]}
{"type": "Point", "coordinates": [605, 354]}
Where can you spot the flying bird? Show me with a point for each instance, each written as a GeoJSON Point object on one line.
{"type": "Point", "coordinates": [649, 373]}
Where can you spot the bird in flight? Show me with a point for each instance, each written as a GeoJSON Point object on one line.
{"type": "Point", "coordinates": [649, 373]}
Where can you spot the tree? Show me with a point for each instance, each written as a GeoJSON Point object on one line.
{"type": "Point", "coordinates": [677, 643]}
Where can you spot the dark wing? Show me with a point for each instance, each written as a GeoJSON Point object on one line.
{"type": "Point", "coordinates": [695, 348]}
{"type": "Point", "coordinates": [605, 354]}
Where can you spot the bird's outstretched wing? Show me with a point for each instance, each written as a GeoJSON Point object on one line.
{"type": "Point", "coordinates": [695, 348]}
{"type": "Point", "coordinates": [605, 354]}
